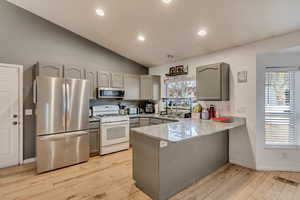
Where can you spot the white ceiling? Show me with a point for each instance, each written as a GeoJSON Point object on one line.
{"type": "Point", "coordinates": [170, 29]}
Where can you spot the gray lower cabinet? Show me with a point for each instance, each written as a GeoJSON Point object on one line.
{"type": "Point", "coordinates": [144, 122]}
{"type": "Point", "coordinates": [74, 72]}
{"type": "Point", "coordinates": [162, 171]}
{"type": "Point", "coordinates": [104, 79]}
{"type": "Point", "coordinates": [92, 77]}
{"type": "Point", "coordinates": [117, 80]}
{"type": "Point", "coordinates": [132, 86]}
{"type": "Point", "coordinates": [150, 87]}
{"type": "Point", "coordinates": [94, 134]}
{"type": "Point", "coordinates": [48, 70]}
{"type": "Point", "coordinates": [213, 82]}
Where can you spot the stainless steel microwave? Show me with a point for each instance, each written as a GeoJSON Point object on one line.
{"type": "Point", "coordinates": [110, 93]}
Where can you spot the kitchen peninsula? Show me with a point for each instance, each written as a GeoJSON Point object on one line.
{"type": "Point", "coordinates": [170, 157]}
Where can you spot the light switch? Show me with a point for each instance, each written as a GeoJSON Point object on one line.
{"type": "Point", "coordinates": [242, 77]}
{"type": "Point", "coordinates": [28, 111]}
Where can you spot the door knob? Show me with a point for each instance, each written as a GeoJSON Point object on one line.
{"type": "Point", "coordinates": [15, 123]}
{"type": "Point", "coordinates": [15, 116]}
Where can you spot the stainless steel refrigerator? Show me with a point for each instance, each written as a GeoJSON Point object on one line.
{"type": "Point", "coordinates": [62, 120]}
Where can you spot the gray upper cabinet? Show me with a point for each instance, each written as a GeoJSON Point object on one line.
{"type": "Point", "coordinates": [110, 80]}
{"type": "Point", "coordinates": [117, 80]}
{"type": "Point", "coordinates": [146, 87]}
{"type": "Point", "coordinates": [132, 86]}
{"type": "Point", "coordinates": [92, 77]}
{"type": "Point", "coordinates": [74, 72]}
{"type": "Point", "coordinates": [104, 79]}
{"type": "Point", "coordinates": [150, 87]}
{"type": "Point", "coordinates": [48, 70]}
{"type": "Point", "coordinates": [213, 82]}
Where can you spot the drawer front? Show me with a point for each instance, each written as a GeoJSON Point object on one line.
{"type": "Point", "coordinates": [77, 148]}
{"type": "Point", "coordinates": [62, 150]}
{"type": "Point", "coordinates": [134, 120]}
{"type": "Point", "coordinates": [144, 122]}
{"type": "Point", "coordinates": [154, 121]}
{"type": "Point", "coordinates": [94, 125]}
{"type": "Point", "coordinates": [50, 152]}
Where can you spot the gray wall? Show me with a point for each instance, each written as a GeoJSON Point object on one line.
{"type": "Point", "coordinates": [26, 38]}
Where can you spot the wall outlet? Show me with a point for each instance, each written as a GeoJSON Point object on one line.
{"type": "Point", "coordinates": [283, 155]}
{"type": "Point", "coordinates": [28, 112]}
{"type": "Point", "coordinates": [242, 77]}
{"type": "Point", "coordinates": [242, 110]}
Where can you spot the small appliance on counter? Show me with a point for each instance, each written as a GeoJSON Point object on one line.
{"type": "Point", "coordinates": [133, 110]}
{"type": "Point", "coordinates": [149, 108]}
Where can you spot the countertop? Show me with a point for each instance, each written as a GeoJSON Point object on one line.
{"type": "Point", "coordinates": [185, 129]}
{"type": "Point", "coordinates": [154, 116]}
{"type": "Point", "coordinates": [92, 119]}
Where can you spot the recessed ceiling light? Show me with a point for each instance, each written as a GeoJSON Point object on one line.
{"type": "Point", "coordinates": [167, 1]}
{"type": "Point", "coordinates": [141, 38]}
{"type": "Point", "coordinates": [100, 12]}
{"type": "Point", "coordinates": [202, 33]}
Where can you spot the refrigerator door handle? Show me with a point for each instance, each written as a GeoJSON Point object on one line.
{"type": "Point", "coordinates": [64, 104]}
{"type": "Point", "coordinates": [76, 134]}
{"type": "Point", "coordinates": [52, 137]}
{"type": "Point", "coordinates": [67, 97]}
{"type": "Point", "coordinates": [34, 92]}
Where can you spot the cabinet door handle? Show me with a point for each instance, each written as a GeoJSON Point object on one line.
{"type": "Point", "coordinates": [15, 123]}
{"type": "Point", "coordinates": [213, 68]}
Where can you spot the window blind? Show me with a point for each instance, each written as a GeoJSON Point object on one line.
{"type": "Point", "coordinates": [280, 114]}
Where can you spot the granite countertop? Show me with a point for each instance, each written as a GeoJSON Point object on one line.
{"type": "Point", "coordinates": [186, 129]}
{"type": "Point", "coordinates": [154, 116]}
{"type": "Point", "coordinates": [93, 119]}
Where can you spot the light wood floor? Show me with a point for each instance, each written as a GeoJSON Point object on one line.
{"type": "Point", "coordinates": [109, 177]}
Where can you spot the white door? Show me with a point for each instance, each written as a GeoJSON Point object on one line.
{"type": "Point", "coordinates": [9, 116]}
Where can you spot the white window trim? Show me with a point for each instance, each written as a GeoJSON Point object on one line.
{"type": "Point", "coordinates": [281, 146]}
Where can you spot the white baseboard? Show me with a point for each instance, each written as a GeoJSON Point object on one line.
{"type": "Point", "coordinates": [290, 168]}
{"type": "Point", "coordinates": [243, 163]}
{"type": "Point", "coordinates": [29, 160]}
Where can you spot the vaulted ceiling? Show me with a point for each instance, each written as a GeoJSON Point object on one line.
{"type": "Point", "coordinates": [169, 28]}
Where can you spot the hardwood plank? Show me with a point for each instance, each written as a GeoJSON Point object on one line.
{"type": "Point", "coordinates": [110, 178]}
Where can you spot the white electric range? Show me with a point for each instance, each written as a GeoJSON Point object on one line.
{"type": "Point", "coordinates": [114, 128]}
